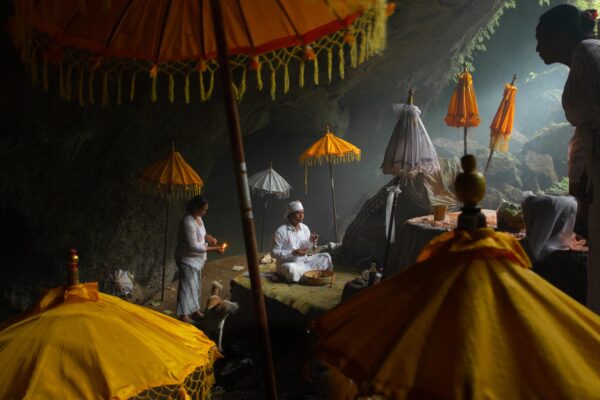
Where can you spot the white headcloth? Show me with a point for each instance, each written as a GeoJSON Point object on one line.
{"type": "Point", "coordinates": [293, 207]}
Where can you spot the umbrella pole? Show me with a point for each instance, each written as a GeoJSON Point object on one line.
{"type": "Point", "coordinates": [162, 290]}
{"type": "Point", "coordinates": [465, 141]}
{"type": "Point", "coordinates": [239, 164]}
{"type": "Point", "coordinates": [388, 242]}
{"type": "Point", "coordinates": [489, 160]}
{"type": "Point", "coordinates": [333, 202]}
{"type": "Point", "coordinates": [262, 231]}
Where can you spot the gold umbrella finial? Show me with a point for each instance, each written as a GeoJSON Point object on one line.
{"type": "Point", "coordinates": [73, 268]}
{"type": "Point", "coordinates": [411, 93]}
{"type": "Point", "coordinates": [327, 130]}
{"type": "Point", "coordinates": [514, 79]}
{"type": "Point", "coordinates": [470, 188]}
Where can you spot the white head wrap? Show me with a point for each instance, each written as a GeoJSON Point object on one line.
{"type": "Point", "coordinates": [293, 207]}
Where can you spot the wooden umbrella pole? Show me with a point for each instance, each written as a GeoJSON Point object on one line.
{"type": "Point", "coordinates": [489, 160]}
{"type": "Point", "coordinates": [262, 231]}
{"type": "Point", "coordinates": [388, 242]}
{"type": "Point", "coordinates": [239, 165]}
{"type": "Point", "coordinates": [465, 141]}
{"type": "Point", "coordinates": [162, 290]}
{"type": "Point", "coordinates": [333, 202]}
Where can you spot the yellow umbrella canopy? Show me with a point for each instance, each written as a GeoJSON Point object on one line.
{"type": "Point", "coordinates": [78, 343]}
{"type": "Point", "coordinates": [333, 150]}
{"type": "Point", "coordinates": [118, 42]}
{"type": "Point", "coordinates": [170, 178]}
{"type": "Point", "coordinates": [469, 320]}
{"type": "Point", "coordinates": [502, 124]}
{"type": "Point", "coordinates": [462, 110]}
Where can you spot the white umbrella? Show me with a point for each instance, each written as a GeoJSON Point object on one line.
{"type": "Point", "coordinates": [409, 153]}
{"type": "Point", "coordinates": [271, 183]}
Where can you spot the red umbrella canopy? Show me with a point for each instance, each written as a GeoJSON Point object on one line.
{"type": "Point", "coordinates": [119, 38]}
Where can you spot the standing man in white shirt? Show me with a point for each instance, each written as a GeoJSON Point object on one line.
{"type": "Point", "coordinates": [291, 243]}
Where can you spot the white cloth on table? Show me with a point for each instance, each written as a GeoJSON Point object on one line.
{"type": "Point", "coordinates": [190, 256]}
{"type": "Point", "coordinates": [549, 223]}
{"type": "Point", "coordinates": [581, 102]}
{"type": "Point", "coordinates": [287, 239]}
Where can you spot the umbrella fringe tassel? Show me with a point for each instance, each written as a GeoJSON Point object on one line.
{"type": "Point", "coordinates": [364, 37]}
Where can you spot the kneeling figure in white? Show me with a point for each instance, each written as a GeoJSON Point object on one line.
{"type": "Point", "coordinates": [291, 243]}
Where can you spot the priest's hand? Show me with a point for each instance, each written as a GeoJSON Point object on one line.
{"type": "Point", "coordinates": [300, 252]}
{"type": "Point", "coordinates": [314, 237]}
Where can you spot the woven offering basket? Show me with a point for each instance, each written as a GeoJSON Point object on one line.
{"type": "Point", "coordinates": [317, 277]}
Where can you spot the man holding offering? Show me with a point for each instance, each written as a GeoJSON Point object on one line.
{"type": "Point", "coordinates": [291, 243]}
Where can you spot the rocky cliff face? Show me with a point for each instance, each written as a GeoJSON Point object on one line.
{"type": "Point", "coordinates": [68, 174]}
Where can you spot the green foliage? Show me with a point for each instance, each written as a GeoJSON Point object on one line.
{"type": "Point", "coordinates": [560, 188]}
{"type": "Point", "coordinates": [477, 43]}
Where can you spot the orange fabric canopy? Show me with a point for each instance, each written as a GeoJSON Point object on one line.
{"type": "Point", "coordinates": [171, 177]}
{"type": "Point", "coordinates": [116, 39]}
{"type": "Point", "coordinates": [463, 110]}
{"type": "Point", "coordinates": [501, 127]}
{"type": "Point", "coordinates": [469, 320]}
{"type": "Point", "coordinates": [330, 148]}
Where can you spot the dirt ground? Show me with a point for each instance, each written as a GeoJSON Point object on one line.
{"type": "Point", "coordinates": [246, 382]}
{"type": "Point", "coordinates": [217, 268]}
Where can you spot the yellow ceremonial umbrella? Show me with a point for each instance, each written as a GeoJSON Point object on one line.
{"type": "Point", "coordinates": [502, 125]}
{"type": "Point", "coordinates": [78, 343]}
{"type": "Point", "coordinates": [469, 320]}
{"type": "Point", "coordinates": [462, 110]}
{"type": "Point", "coordinates": [170, 178]}
{"type": "Point", "coordinates": [333, 150]}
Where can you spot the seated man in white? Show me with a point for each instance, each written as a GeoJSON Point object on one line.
{"type": "Point", "coordinates": [291, 243]}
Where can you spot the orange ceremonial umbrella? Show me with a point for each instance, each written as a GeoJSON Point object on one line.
{"type": "Point", "coordinates": [468, 320]}
{"type": "Point", "coordinates": [170, 178]}
{"type": "Point", "coordinates": [78, 343]}
{"type": "Point", "coordinates": [116, 43]}
{"type": "Point", "coordinates": [333, 150]}
{"type": "Point", "coordinates": [502, 125]}
{"type": "Point", "coordinates": [104, 49]}
{"type": "Point", "coordinates": [462, 110]}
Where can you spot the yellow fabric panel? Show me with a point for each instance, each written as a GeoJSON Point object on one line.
{"type": "Point", "coordinates": [77, 343]}
{"type": "Point", "coordinates": [502, 124]}
{"type": "Point", "coordinates": [463, 110]}
{"type": "Point", "coordinates": [332, 149]}
{"type": "Point", "coordinates": [470, 320]}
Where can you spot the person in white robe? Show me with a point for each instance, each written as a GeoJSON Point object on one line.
{"type": "Point", "coordinates": [291, 244]}
{"type": "Point", "coordinates": [565, 34]}
{"type": "Point", "coordinates": [190, 255]}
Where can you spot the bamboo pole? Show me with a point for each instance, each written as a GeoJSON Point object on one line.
{"type": "Point", "coordinates": [239, 164]}
{"type": "Point", "coordinates": [333, 201]}
{"type": "Point", "coordinates": [162, 290]}
{"type": "Point", "coordinates": [388, 241]}
{"type": "Point", "coordinates": [262, 231]}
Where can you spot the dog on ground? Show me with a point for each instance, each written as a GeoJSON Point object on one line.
{"type": "Point", "coordinates": [216, 312]}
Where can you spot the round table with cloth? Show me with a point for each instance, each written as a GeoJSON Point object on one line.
{"type": "Point", "coordinates": [416, 232]}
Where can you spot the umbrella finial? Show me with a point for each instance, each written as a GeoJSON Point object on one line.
{"type": "Point", "coordinates": [470, 189]}
{"type": "Point", "coordinates": [173, 147]}
{"type": "Point", "coordinates": [464, 67]}
{"type": "Point", "coordinates": [513, 80]}
{"type": "Point", "coordinates": [73, 268]}
{"type": "Point", "coordinates": [327, 128]}
{"type": "Point", "coordinates": [271, 165]}
{"type": "Point", "coordinates": [410, 100]}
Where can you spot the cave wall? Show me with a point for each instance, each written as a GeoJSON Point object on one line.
{"type": "Point", "coordinates": [68, 174]}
